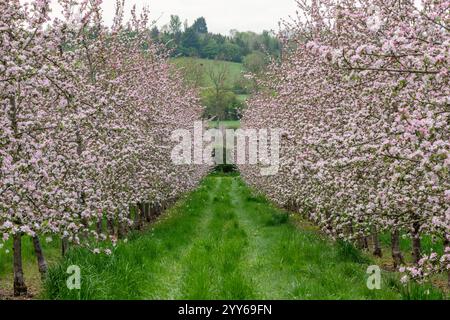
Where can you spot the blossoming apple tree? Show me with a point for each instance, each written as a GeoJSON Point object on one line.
{"type": "Point", "coordinates": [362, 93]}
{"type": "Point", "coordinates": [86, 115]}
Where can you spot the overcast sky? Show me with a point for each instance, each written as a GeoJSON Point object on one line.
{"type": "Point", "coordinates": [221, 15]}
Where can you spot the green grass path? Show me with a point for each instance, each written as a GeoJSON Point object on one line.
{"type": "Point", "coordinates": [221, 242]}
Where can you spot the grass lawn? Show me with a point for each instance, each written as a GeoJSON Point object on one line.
{"type": "Point", "coordinates": [225, 242]}
{"type": "Point", "coordinates": [242, 97]}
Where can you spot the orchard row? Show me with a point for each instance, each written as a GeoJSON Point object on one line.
{"type": "Point", "coordinates": [86, 117]}
{"type": "Point", "coordinates": [362, 93]}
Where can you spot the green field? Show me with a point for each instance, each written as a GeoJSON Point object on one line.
{"type": "Point", "coordinates": [242, 97]}
{"type": "Point", "coordinates": [225, 242]}
{"type": "Point", "coordinates": [235, 69]}
{"type": "Point", "coordinates": [231, 124]}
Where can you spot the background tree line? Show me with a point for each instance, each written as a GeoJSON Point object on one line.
{"type": "Point", "coordinates": [196, 41]}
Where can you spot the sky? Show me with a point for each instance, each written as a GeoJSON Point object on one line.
{"type": "Point", "coordinates": [221, 15]}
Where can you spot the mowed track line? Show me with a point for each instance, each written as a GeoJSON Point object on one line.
{"type": "Point", "coordinates": [247, 249]}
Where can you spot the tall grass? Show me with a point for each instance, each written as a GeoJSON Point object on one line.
{"type": "Point", "coordinates": [226, 242]}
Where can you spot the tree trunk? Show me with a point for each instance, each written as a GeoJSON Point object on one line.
{"type": "Point", "coordinates": [121, 230]}
{"type": "Point", "coordinates": [376, 244]}
{"type": "Point", "coordinates": [42, 264]}
{"type": "Point", "coordinates": [447, 244]}
{"type": "Point", "coordinates": [416, 246]}
{"type": "Point", "coordinates": [130, 218]}
{"type": "Point", "coordinates": [85, 233]}
{"type": "Point", "coordinates": [152, 211]}
{"type": "Point", "coordinates": [396, 252]}
{"type": "Point", "coordinates": [99, 225]}
{"type": "Point", "coordinates": [137, 218]}
{"type": "Point", "coordinates": [110, 226]}
{"type": "Point", "coordinates": [148, 216]}
{"type": "Point", "coordinates": [141, 215]}
{"type": "Point", "coordinates": [350, 230]}
{"type": "Point", "coordinates": [64, 246]}
{"type": "Point", "coordinates": [20, 289]}
{"type": "Point", "coordinates": [364, 242]}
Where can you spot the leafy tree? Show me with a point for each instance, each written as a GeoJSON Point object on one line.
{"type": "Point", "coordinates": [211, 49]}
{"type": "Point", "coordinates": [222, 105]}
{"type": "Point", "coordinates": [215, 98]}
{"type": "Point", "coordinates": [175, 25]}
{"type": "Point", "coordinates": [255, 62]}
{"type": "Point", "coordinates": [230, 52]}
{"type": "Point", "coordinates": [200, 26]}
{"type": "Point", "coordinates": [154, 33]}
{"type": "Point", "coordinates": [190, 39]}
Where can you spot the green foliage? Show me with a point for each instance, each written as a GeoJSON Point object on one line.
{"type": "Point", "coordinates": [210, 49]}
{"type": "Point", "coordinates": [414, 291]}
{"type": "Point", "coordinates": [243, 87]}
{"type": "Point", "coordinates": [221, 104]}
{"type": "Point", "coordinates": [200, 26]}
{"type": "Point", "coordinates": [175, 25]}
{"type": "Point", "coordinates": [255, 62]}
{"type": "Point", "coordinates": [196, 41]}
{"type": "Point", "coordinates": [230, 52]}
{"type": "Point", "coordinates": [190, 42]}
